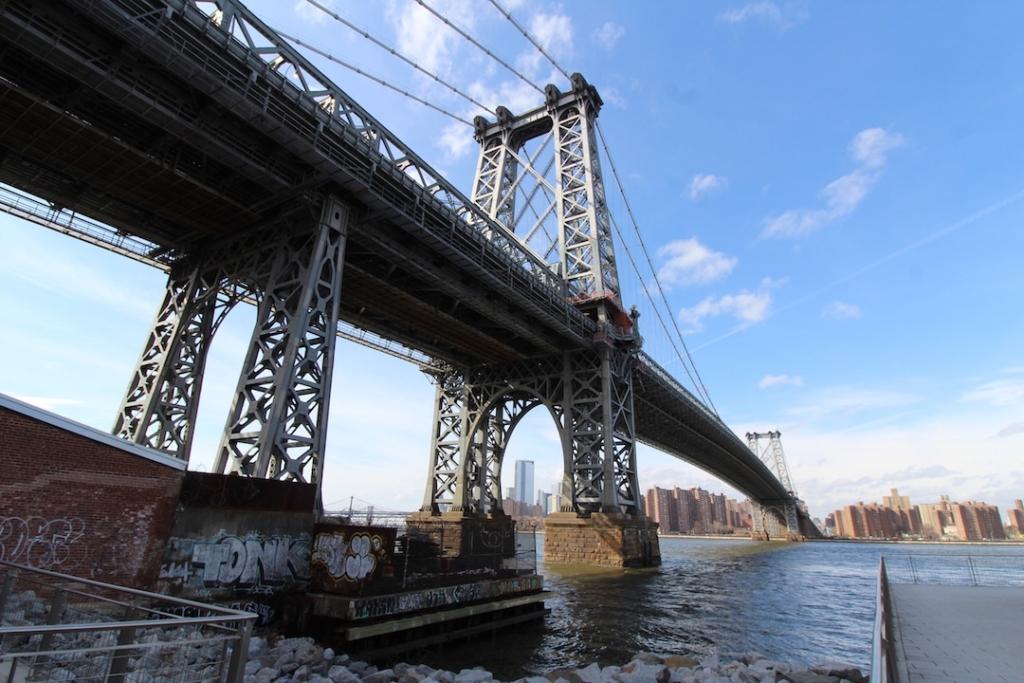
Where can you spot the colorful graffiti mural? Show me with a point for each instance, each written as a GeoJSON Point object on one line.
{"type": "Point", "coordinates": [344, 557]}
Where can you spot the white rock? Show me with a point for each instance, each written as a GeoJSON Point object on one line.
{"type": "Point", "coordinates": [340, 674]}
{"type": "Point", "coordinates": [590, 674]}
{"type": "Point", "coordinates": [473, 676]}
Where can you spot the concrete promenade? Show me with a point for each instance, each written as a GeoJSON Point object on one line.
{"type": "Point", "coordinates": [958, 634]}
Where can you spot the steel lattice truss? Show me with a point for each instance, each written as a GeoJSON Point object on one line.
{"type": "Point", "coordinates": [558, 209]}
{"type": "Point", "coordinates": [588, 394]}
{"type": "Point", "coordinates": [774, 458]}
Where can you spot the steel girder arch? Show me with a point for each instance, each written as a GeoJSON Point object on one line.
{"type": "Point", "coordinates": [590, 395]}
{"type": "Point", "coordinates": [475, 412]}
{"type": "Point", "coordinates": [783, 511]}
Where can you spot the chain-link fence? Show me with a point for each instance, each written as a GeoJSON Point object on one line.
{"type": "Point", "coordinates": [55, 627]}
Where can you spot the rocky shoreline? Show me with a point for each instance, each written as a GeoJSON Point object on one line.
{"type": "Point", "coordinates": [301, 660]}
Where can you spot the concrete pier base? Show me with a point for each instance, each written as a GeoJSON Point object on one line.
{"type": "Point", "coordinates": [603, 539]}
{"type": "Point", "coordinates": [463, 534]}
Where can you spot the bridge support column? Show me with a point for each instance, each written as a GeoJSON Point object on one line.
{"type": "Point", "coordinates": [602, 538]}
{"type": "Point", "coordinates": [278, 423]}
{"type": "Point", "coordinates": [160, 406]}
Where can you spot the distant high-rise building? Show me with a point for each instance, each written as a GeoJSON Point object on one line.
{"type": "Point", "coordinates": [524, 482]}
{"type": "Point", "coordinates": [1015, 517]}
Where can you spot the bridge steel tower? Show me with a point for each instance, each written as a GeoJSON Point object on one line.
{"type": "Point", "coordinates": [278, 421]}
{"type": "Point", "coordinates": [588, 392]}
{"type": "Point", "coordinates": [767, 513]}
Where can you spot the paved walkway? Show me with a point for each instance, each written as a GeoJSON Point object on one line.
{"type": "Point", "coordinates": [958, 634]}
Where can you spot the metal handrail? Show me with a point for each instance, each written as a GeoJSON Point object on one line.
{"type": "Point", "coordinates": [882, 650]}
{"type": "Point", "coordinates": [78, 610]}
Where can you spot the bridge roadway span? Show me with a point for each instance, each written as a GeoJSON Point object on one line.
{"type": "Point", "coordinates": [145, 116]}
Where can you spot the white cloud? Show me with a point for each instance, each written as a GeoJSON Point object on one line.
{"type": "Point", "coordinates": [843, 195]}
{"type": "Point", "coordinates": [1001, 392]}
{"type": "Point", "coordinates": [456, 141]}
{"type": "Point", "coordinates": [424, 37]}
{"type": "Point", "coordinates": [845, 402]}
{"type": "Point", "coordinates": [1010, 430]}
{"type": "Point", "coordinates": [761, 11]}
{"type": "Point", "coordinates": [869, 146]}
{"type": "Point", "coordinates": [702, 185]}
{"type": "Point", "coordinates": [609, 34]}
{"type": "Point", "coordinates": [555, 34]}
{"type": "Point", "coordinates": [749, 307]}
{"type": "Point", "coordinates": [308, 12]}
{"type": "Point", "coordinates": [691, 263]}
{"type": "Point", "coordinates": [842, 311]}
{"type": "Point", "coordinates": [611, 96]}
{"type": "Point", "coordinates": [776, 380]}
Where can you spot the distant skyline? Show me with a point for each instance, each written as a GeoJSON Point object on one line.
{"type": "Point", "coordinates": [832, 194]}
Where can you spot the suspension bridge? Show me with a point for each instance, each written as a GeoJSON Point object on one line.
{"type": "Point", "coordinates": [193, 137]}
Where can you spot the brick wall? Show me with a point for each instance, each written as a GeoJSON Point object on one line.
{"type": "Point", "coordinates": [79, 501]}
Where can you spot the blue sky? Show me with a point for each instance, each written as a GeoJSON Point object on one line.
{"type": "Point", "coordinates": [831, 193]}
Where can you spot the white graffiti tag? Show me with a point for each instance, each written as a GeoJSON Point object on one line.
{"type": "Point", "coordinates": [251, 562]}
{"type": "Point", "coordinates": [43, 543]}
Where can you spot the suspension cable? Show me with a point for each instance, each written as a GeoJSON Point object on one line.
{"type": "Point", "coordinates": [527, 35]}
{"type": "Point", "coordinates": [337, 17]}
{"type": "Point", "coordinates": [377, 79]}
{"type": "Point", "coordinates": [698, 383]}
{"type": "Point", "coordinates": [472, 40]}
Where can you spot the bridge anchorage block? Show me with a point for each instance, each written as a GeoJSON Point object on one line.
{"type": "Point", "coordinates": [467, 538]}
{"type": "Point", "coordinates": [609, 539]}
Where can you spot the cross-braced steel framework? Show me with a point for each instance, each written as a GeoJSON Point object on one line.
{"type": "Point", "coordinates": [278, 421]}
{"type": "Point", "coordinates": [589, 396]}
{"type": "Point", "coordinates": [772, 455]}
{"type": "Point", "coordinates": [558, 209]}
{"type": "Point", "coordinates": [589, 393]}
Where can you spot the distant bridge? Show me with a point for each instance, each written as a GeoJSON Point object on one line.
{"type": "Point", "coordinates": [204, 144]}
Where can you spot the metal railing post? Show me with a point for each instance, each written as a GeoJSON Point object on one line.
{"type": "Point", "coordinates": [125, 636]}
{"type": "Point", "coordinates": [240, 653]}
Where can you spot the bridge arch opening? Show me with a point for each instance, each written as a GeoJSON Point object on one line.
{"type": "Point", "coordinates": [538, 441]}
{"type": "Point", "coordinates": [502, 415]}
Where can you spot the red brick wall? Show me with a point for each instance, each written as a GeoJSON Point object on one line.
{"type": "Point", "coordinates": [71, 503]}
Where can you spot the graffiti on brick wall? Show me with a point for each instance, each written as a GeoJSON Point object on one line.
{"type": "Point", "coordinates": [348, 558]}
{"type": "Point", "coordinates": [55, 544]}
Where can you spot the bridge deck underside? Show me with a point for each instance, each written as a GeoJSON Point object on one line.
{"type": "Point", "coordinates": [183, 152]}
{"type": "Point", "coordinates": [151, 123]}
{"type": "Point", "coordinates": [671, 421]}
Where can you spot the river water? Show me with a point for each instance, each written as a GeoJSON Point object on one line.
{"type": "Point", "coordinates": [794, 602]}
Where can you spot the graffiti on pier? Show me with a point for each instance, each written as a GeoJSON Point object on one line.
{"type": "Point", "coordinates": [388, 605]}
{"type": "Point", "coordinates": [343, 556]}
{"type": "Point", "coordinates": [54, 544]}
{"type": "Point", "coordinates": [228, 565]}
{"type": "Point", "coordinates": [252, 562]}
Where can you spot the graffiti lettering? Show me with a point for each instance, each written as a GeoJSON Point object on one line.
{"type": "Point", "coordinates": [388, 605]}
{"type": "Point", "coordinates": [43, 543]}
{"type": "Point", "coordinates": [351, 559]}
{"type": "Point", "coordinates": [252, 563]}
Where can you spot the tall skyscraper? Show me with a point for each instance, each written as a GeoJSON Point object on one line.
{"type": "Point", "coordinates": [524, 481]}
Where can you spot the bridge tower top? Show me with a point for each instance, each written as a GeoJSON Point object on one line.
{"type": "Point", "coordinates": [555, 203]}
{"type": "Point", "coordinates": [772, 455]}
